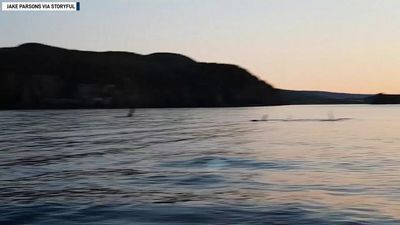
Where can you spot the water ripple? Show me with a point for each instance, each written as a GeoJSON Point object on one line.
{"type": "Point", "coordinates": [200, 166]}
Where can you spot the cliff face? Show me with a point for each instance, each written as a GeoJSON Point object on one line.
{"type": "Point", "coordinates": [40, 76]}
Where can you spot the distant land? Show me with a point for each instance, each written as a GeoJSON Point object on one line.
{"type": "Point", "coordinates": [37, 76]}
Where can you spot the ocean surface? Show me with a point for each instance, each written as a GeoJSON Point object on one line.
{"type": "Point", "coordinates": [201, 166]}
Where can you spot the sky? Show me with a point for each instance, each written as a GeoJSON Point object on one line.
{"type": "Point", "coordinates": [331, 45]}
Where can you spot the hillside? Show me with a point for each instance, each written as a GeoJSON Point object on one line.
{"type": "Point", "coordinates": [320, 97]}
{"type": "Point", "coordinates": [384, 99]}
{"type": "Point", "coordinates": [40, 76]}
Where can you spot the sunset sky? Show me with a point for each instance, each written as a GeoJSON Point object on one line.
{"type": "Point", "coordinates": [333, 45]}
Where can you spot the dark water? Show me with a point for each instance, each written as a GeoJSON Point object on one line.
{"type": "Point", "coordinates": [201, 166]}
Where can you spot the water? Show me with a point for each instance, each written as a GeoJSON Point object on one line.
{"type": "Point", "coordinates": [201, 166]}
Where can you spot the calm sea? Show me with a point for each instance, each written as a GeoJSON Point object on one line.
{"type": "Point", "coordinates": [201, 166]}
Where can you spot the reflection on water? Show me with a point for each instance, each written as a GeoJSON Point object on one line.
{"type": "Point", "coordinates": [201, 166]}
